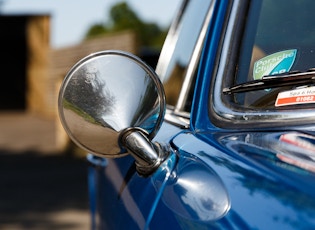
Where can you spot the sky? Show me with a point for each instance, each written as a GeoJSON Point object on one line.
{"type": "Point", "coordinates": [70, 19]}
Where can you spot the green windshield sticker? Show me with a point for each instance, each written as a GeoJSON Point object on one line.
{"type": "Point", "coordinates": [276, 63]}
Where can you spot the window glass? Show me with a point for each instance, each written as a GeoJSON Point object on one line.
{"type": "Point", "coordinates": [279, 38]}
{"type": "Point", "coordinates": [179, 47]}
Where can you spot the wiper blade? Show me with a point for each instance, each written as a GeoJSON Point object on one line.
{"type": "Point", "coordinates": [274, 81]}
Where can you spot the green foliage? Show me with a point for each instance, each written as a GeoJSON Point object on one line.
{"type": "Point", "coordinates": [122, 17]}
{"type": "Point", "coordinates": [95, 30]}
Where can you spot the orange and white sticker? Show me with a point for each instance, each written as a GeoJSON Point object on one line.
{"type": "Point", "coordinates": [296, 97]}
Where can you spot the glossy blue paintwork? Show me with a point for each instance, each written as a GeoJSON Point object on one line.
{"type": "Point", "coordinates": [265, 193]}
{"type": "Point", "coordinates": [235, 179]}
{"type": "Point", "coordinates": [199, 112]}
{"type": "Point", "coordinates": [256, 183]}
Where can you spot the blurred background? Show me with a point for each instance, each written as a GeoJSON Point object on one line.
{"type": "Point", "coordinates": [43, 176]}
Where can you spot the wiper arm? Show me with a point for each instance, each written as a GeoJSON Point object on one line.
{"type": "Point", "coordinates": [274, 81]}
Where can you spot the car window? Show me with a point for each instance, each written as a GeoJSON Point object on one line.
{"type": "Point", "coordinates": [279, 38]}
{"type": "Point", "coordinates": [178, 50]}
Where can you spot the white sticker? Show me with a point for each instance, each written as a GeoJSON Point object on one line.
{"type": "Point", "coordinates": [297, 96]}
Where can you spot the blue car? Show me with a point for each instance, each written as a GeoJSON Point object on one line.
{"type": "Point", "coordinates": [219, 136]}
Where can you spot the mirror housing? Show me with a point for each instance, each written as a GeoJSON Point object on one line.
{"type": "Point", "coordinates": [110, 104]}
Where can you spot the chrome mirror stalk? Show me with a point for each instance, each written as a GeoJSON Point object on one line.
{"type": "Point", "coordinates": [149, 156]}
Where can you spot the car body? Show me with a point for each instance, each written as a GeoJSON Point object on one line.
{"type": "Point", "coordinates": [234, 155]}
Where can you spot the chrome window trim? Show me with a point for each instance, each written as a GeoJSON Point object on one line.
{"type": "Point", "coordinates": [226, 116]}
{"type": "Point", "coordinates": [167, 51]}
{"type": "Point", "coordinates": [194, 61]}
{"type": "Point", "coordinates": [178, 119]}
{"type": "Point", "coordinates": [170, 43]}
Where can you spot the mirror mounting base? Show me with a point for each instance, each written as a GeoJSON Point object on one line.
{"type": "Point", "coordinates": [149, 156]}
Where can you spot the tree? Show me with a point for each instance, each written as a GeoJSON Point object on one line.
{"type": "Point", "coordinates": [122, 17]}
{"type": "Point", "coordinates": [95, 30]}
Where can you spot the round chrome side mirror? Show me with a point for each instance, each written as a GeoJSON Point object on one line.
{"type": "Point", "coordinates": [107, 96]}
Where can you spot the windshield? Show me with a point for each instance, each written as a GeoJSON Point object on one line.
{"type": "Point", "coordinates": [279, 39]}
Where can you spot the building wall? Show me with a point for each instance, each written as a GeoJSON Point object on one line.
{"type": "Point", "coordinates": [38, 79]}
{"type": "Point", "coordinates": [32, 72]}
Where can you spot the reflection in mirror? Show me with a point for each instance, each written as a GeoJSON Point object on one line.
{"type": "Point", "coordinates": [106, 93]}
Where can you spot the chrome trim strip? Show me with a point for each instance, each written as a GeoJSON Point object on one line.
{"type": "Point", "coordinates": [170, 43]}
{"type": "Point", "coordinates": [194, 61]}
{"type": "Point", "coordinates": [180, 120]}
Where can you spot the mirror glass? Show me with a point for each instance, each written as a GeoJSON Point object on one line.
{"type": "Point", "coordinates": [106, 93]}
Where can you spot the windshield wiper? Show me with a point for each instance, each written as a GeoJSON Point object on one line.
{"type": "Point", "coordinates": [274, 81]}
